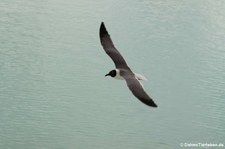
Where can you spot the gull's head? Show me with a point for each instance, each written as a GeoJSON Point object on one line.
{"type": "Point", "coordinates": [112, 73]}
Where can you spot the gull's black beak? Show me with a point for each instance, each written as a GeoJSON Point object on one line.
{"type": "Point", "coordinates": [106, 75]}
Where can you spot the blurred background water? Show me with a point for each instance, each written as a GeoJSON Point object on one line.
{"type": "Point", "coordinates": [53, 93]}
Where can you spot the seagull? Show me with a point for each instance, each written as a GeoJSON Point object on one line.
{"type": "Point", "coordinates": [122, 71]}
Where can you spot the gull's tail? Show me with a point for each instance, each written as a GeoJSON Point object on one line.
{"type": "Point", "coordinates": [140, 77]}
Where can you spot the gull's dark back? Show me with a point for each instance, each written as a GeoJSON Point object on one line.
{"type": "Point", "coordinates": [110, 49]}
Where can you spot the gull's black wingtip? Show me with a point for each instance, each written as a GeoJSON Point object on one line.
{"type": "Point", "coordinates": [154, 105]}
{"type": "Point", "coordinates": [102, 23]}
{"type": "Point", "coordinates": [103, 30]}
{"type": "Point", "coordinates": [150, 103]}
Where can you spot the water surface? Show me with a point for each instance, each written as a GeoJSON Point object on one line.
{"type": "Point", "coordinates": [53, 93]}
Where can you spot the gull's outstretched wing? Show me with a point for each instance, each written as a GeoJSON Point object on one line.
{"type": "Point", "coordinates": [138, 91]}
{"type": "Point", "coordinates": [110, 48]}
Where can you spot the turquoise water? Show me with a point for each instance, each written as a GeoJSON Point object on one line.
{"type": "Point", "coordinates": [53, 93]}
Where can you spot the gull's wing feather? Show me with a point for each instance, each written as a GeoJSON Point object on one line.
{"type": "Point", "coordinates": [138, 91]}
{"type": "Point", "coordinates": [110, 48]}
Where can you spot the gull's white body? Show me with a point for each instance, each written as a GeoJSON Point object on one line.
{"type": "Point", "coordinates": [137, 76]}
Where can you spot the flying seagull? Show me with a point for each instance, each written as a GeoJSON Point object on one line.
{"type": "Point", "coordinates": [122, 71]}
